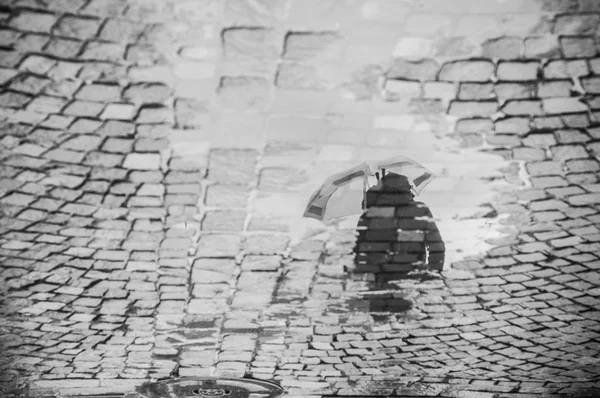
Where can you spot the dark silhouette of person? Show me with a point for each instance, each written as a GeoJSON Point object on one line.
{"type": "Point", "coordinates": [396, 234]}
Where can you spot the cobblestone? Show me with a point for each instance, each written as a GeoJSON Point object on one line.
{"type": "Point", "coordinates": [517, 71]}
{"type": "Point", "coordinates": [478, 71]}
{"type": "Point", "coordinates": [77, 28]}
{"type": "Point", "coordinates": [155, 156]}
{"type": "Point", "coordinates": [146, 93]}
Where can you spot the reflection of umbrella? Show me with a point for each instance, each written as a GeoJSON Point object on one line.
{"type": "Point", "coordinates": [343, 193]}
{"type": "Point", "coordinates": [340, 195]}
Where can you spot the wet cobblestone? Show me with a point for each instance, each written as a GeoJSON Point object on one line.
{"type": "Point", "coordinates": [155, 153]}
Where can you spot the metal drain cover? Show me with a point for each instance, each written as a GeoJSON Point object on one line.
{"type": "Point", "coordinates": [208, 387]}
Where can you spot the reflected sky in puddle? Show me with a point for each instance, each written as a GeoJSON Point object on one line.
{"type": "Point", "coordinates": [466, 183]}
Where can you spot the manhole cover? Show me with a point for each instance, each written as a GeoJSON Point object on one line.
{"type": "Point", "coordinates": [211, 388]}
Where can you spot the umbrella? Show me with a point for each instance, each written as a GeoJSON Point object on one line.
{"type": "Point", "coordinates": [340, 195]}
{"type": "Point", "coordinates": [343, 193]}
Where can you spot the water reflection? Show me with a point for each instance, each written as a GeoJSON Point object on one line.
{"type": "Point", "coordinates": [398, 241]}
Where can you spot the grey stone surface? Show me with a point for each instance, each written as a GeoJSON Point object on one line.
{"type": "Point", "coordinates": [156, 157]}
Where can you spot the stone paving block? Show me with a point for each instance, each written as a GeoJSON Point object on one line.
{"type": "Point", "coordinates": [224, 221]}
{"type": "Point", "coordinates": [578, 46]}
{"type": "Point", "coordinates": [576, 120]}
{"type": "Point", "coordinates": [103, 72]}
{"type": "Point", "coordinates": [505, 90]}
{"type": "Point", "coordinates": [118, 112]}
{"type": "Point", "coordinates": [33, 21]}
{"type": "Point", "coordinates": [564, 69]}
{"type": "Point", "coordinates": [30, 149]}
{"type": "Point", "coordinates": [473, 108]}
{"type": "Point", "coordinates": [301, 46]}
{"type": "Point", "coordinates": [226, 196]}
{"type": "Point", "coordinates": [254, 43]}
{"type": "Point", "coordinates": [594, 65]}
{"type": "Point", "coordinates": [591, 84]}
{"type": "Point", "coordinates": [567, 152]}
{"type": "Point", "coordinates": [13, 100]}
{"type": "Point", "coordinates": [57, 122]}
{"type": "Point", "coordinates": [556, 88]}
{"type": "Point", "coordinates": [234, 166]}
{"type": "Point", "coordinates": [475, 71]}
{"type": "Point", "coordinates": [546, 46]}
{"type": "Point", "coordinates": [413, 70]}
{"type": "Point", "coordinates": [278, 179]}
{"type": "Point", "coordinates": [64, 89]}
{"type": "Point", "coordinates": [64, 48]}
{"type": "Point", "coordinates": [515, 71]}
{"type": "Point", "coordinates": [151, 74]}
{"type": "Point", "coordinates": [118, 145]}
{"type": "Point", "coordinates": [563, 105]}
{"type": "Point", "coordinates": [99, 93]}
{"type": "Point", "coordinates": [261, 263]}
{"type": "Point", "coordinates": [265, 244]}
{"type": "Point", "coordinates": [146, 93]}
{"type": "Point", "coordinates": [83, 109]}
{"type": "Point", "coordinates": [154, 115]}
{"type": "Point", "coordinates": [100, 51]}
{"type": "Point", "coordinates": [77, 28]}
{"type": "Point", "coordinates": [523, 107]}
{"type": "Point", "coordinates": [113, 128]}
{"type": "Point", "coordinates": [46, 104]}
{"type": "Point", "coordinates": [593, 103]}
{"type": "Point", "coordinates": [191, 113]}
{"type": "Point", "coordinates": [513, 125]}
{"type": "Point", "coordinates": [179, 177]}
{"type": "Point", "coordinates": [218, 245]}
{"type": "Point", "coordinates": [544, 168]}
{"type": "Point", "coordinates": [539, 140]}
{"type": "Point", "coordinates": [28, 84]}
{"type": "Point", "coordinates": [7, 74]}
{"type": "Point", "coordinates": [582, 166]}
{"type": "Point", "coordinates": [10, 59]}
{"type": "Point", "coordinates": [64, 155]}
{"type": "Point", "coordinates": [503, 48]}
{"type": "Point", "coordinates": [506, 140]}
{"type": "Point", "coordinates": [10, 36]}
{"type": "Point", "coordinates": [576, 24]}
{"type": "Point", "coordinates": [473, 91]}
{"type": "Point", "coordinates": [102, 159]}
{"type": "Point", "coordinates": [107, 8]}
{"type": "Point", "coordinates": [402, 89]}
{"type": "Point", "coordinates": [98, 173]}
{"type": "Point", "coordinates": [119, 30]}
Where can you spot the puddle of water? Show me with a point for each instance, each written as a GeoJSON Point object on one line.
{"type": "Point", "coordinates": [458, 197]}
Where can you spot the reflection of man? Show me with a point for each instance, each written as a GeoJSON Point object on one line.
{"type": "Point", "coordinates": [396, 233]}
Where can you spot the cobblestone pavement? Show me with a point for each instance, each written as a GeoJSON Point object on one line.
{"type": "Point", "coordinates": [156, 155]}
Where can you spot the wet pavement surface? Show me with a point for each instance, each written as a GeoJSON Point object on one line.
{"type": "Point", "coordinates": [157, 157]}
